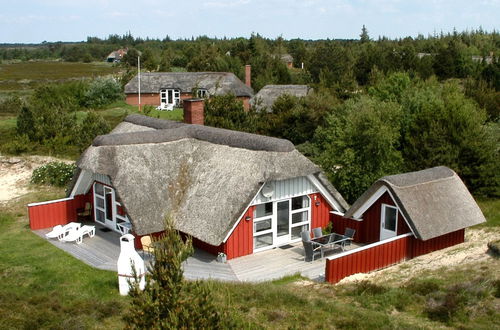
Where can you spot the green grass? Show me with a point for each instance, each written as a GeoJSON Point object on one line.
{"type": "Point", "coordinates": [43, 287]}
{"type": "Point", "coordinates": [491, 210]}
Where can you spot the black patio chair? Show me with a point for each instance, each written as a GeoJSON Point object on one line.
{"type": "Point", "coordinates": [349, 232]}
{"type": "Point", "coordinates": [317, 232]}
{"type": "Point", "coordinates": [310, 248]}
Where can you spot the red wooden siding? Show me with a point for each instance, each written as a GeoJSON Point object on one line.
{"type": "Point", "coordinates": [386, 253]}
{"type": "Point", "coordinates": [419, 247]}
{"type": "Point", "coordinates": [240, 243]}
{"type": "Point", "coordinates": [367, 259]}
{"type": "Point", "coordinates": [368, 230]}
{"type": "Point", "coordinates": [320, 214]}
{"type": "Point", "coordinates": [58, 212]}
{"type": "Point", "coordinates": [340, 224]}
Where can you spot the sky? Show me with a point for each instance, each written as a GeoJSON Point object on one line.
{"type": "Point", "coordinates": [34, 21]}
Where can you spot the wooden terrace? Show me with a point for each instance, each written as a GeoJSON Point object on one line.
{"type": "Point", "coordinates": [102, 251]}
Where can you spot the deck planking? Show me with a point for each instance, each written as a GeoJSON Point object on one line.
{"type": "Point", "coordinates": [102, 252]}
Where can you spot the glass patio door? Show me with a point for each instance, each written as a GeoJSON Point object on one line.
{"type": "Point", "coordinates": [104, 205]}
{"type": "Point", "coordinates": [282, 222]}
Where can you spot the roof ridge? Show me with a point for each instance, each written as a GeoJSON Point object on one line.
{"type": "Point", "coordinates": [418, 184]}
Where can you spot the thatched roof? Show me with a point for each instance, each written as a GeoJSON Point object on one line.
{"type": "Point", "coordinates": [266, 97]}
{"type": "Point", "coordinates": [434, 201]}
{"type": "Point", "coordinates": [217, 83]}
{"type": "Point", "coordinates": [204, 177]}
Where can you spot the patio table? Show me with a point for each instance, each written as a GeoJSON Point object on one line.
{"type": "Point", "coordinates": [329, 241]}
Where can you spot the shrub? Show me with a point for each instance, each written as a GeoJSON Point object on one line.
{"type": "Point", "coordinates": [92, 126]}
{"type": "Point", "coordinates": [20, 144]}
{"type": "Point", "coordinates": [12, 104]}
{"type": "Point", "coordinates": [423, 287]}
{"type": "Point", "coordinates": [101, 92]}
{"type": "Point", "coordinates": [54, 173]}
{"type": "Point", "coordinates": [494, 248]}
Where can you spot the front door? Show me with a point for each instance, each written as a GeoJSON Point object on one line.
{"type": "Point", "coordinates": [105, 205]}
{"type": "Point", "coordinates": [282, 222]}
{"type": "Point", "coordinates": [388, 222]}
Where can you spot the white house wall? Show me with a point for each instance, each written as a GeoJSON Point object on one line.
{"type": "Point", "coordinates": [85, 181]}
{"type": "Point", "coordinates": [287, 188]}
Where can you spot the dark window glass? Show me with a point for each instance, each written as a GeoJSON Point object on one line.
{"type": "Point", "coordinates": [300, 202]}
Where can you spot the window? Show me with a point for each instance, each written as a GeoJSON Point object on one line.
{"type": "Point", "coordinates": [263, 210]}
{"type": "Point", "coordinates": [300, 202]}
{"type": "Point", "coordinates": [170, 96]}
{"type": "Point", "coordinates": [202, 93]}
{"type": "Point", "coordinates": [300, 216]}
{"type": "Point", "coordinates": [390, 218]}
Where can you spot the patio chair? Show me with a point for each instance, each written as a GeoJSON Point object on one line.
{"type": "Point", "coordinates": [147, 245]}
{"type": "Point", "coordinates": [310, 248]}
{"type": "Point", "coordinates": [84, 213]}
{"type": "Point", "coordinates": [349, 232]}
{"type": "Point", "coordinates": [60, 231]}
{"type": "Point", "coordinates": [77, 235]}
{"type": "Point", "coordinates": [317, 232]}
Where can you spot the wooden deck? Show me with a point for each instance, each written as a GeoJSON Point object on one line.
{"type": "Point", "coordinates": [103, 249]}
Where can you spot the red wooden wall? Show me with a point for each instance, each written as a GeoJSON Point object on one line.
{"type": "Point", "coordinates": [240, 243]}
{"type": "Point", "coordinates": [58, 212]}
{"type": "Point", "coordinates": [386, 253]}
{"type": "Point", "coordinates": [419, 247]}
{"type": "Point", "coordinates": [368, 230]}
{"type": "Point", "coordinates": [320, 214]}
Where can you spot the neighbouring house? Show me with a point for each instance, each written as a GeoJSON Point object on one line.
{"type": "Point", "coordinates": [403, 216]}
{"type": "Point", "coordinates": [116, 55]}
{"type": "Point", "coordinates": [265, 98]}
{"type": "Point", "coordinates": [287, 59]}
{"type": "Point", "coordinates": [232, 192]}
{"type": "Point", "coordinates": [171, 88]}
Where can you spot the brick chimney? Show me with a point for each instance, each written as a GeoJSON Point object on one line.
{"type": "Point", "coordinates": [248, 75]}
{"type": "Point", "coordinates": [193, 111]}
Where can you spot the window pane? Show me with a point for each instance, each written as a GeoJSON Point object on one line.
{"type": "Point", "coordinates": [262, 241]}
{"type": "Point", "coordinates": [390, 219]}
{"type": "Point", "coordinates": [262, 225]}
{"type": "Point", "coordinates": [99, 189]}
{"type": "Point", "coordinates": [297, 230]}
{"type": "Point", "coordinates": [299, 217]}
{"type": "Point", "coordinates": [100, 216]}
{"type": "Point", "coordinates": [283, 219]}
{"type": "Point", "coordinates": [300, 202]}
{"type": "Point", "coordinates": [263, 210]}
{"type": "Point", "coordinates": [100, 202]}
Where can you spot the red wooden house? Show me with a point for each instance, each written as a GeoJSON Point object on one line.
{"type": "Point", "coordinates": [233, 192]}
{"type": "Point", "coordinates": [403, 216]}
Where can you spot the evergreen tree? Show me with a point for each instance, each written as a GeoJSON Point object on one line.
{"type": "Point", "coordinates": [364, 37]}
{"type": "Point", "coordinates": [168, 301]}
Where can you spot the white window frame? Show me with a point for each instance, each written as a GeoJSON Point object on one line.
{"type": "Point", "coordinates": [117, 218]}
{"type": "Point", "coordinates": [264, 232]}
{"type": "Point", "coordinates": [274, 221]}
{"type": "Point", "coordinates": [382, 219]}
{"type": "Point", "coordinates": [202, 93]}
{"type": "Point", "coordinates": [170, 96]}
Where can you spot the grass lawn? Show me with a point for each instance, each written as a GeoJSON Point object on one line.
{"type": "Point", "coordinates": [43, 287]}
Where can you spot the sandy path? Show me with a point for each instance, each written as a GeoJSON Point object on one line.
{"type": "Point", "coordinates": [15, 174]}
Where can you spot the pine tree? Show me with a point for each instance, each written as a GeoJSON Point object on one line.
{"type": "Point", "coordinates": [364, 37]}
{"type": "Point", "coordinates": [168, 301]}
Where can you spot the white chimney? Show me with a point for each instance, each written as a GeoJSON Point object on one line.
{"type": "Point", "coordinates": [128, 258]}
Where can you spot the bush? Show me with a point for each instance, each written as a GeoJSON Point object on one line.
{"type": "Point", "coordinates": [494, 248]}
{"type": "Point", "coordinates": [101, 92]}
{"type": "Point", "coordinates": [92, 126]}
{"type": "Point", "coordinates": [12, 104]}
{"type": "Point", "coordinates": [54, 173]}
{"type": "Point", "coordinates": [20, 144]}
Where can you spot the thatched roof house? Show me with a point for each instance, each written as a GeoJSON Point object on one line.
{"type": "Point", "coordinates": [207, 179]}
{"type": "Point", "coordinates": [265, 98]}
{"type": "Point", "coordinates": [172, 87]}
{"type": "Point", "coordinates": [433, 202]}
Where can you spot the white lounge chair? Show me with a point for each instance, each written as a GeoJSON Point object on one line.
{"type": "Point", "coordinates": [61, 231]}
{"type": "Point", "coordinates": [77, 235]}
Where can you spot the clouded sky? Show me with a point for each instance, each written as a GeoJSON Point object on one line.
{"type": "Point", "coordinates": [34, 21]}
